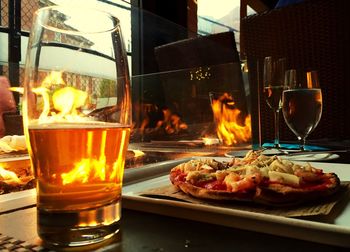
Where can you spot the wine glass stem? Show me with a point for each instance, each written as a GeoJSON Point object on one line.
{"type": "Point", "coordinates": [277, 132]}
{"type": "Point", "coordinates": [302, 144]}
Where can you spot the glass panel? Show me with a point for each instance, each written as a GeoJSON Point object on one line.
{"type": "Point", "coordinates": [218, 16]}
{"type": "Point", "coordinates": [173, 103]}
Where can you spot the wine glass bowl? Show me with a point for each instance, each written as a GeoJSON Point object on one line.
{"type": "Point", "coordinates": [273, 84]}
{"type": "Point", "coordinates": [302, 103]}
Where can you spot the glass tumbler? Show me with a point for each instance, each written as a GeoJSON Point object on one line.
{"type": "Point", "coordinates": [77, 116]}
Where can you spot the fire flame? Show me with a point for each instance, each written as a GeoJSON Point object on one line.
{"type": "Point", "coordinates": [54, 78]}
{"type": "Point", "coordinates": [9, 177]}
{"type": "Point", "coordinates": [172, 122]}
{"type": "Point", "coordinates": [66, 101]}
{"type": "Point", "coordinates": [90, 169]}
{"type": "Point", "coordinates": [86, 170]}
{"type": "Point", "coordinates": [228, 128]}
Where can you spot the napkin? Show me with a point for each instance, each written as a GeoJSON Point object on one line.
{"type": "Point", "coordinates": [324, 206]}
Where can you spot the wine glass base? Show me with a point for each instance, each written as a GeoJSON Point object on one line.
{"type": "Point", "coordinates": [284, 150]}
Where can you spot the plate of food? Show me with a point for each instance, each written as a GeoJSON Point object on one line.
{"type": "Point", "coordinates": [255, 193]}
{"type": "Point", "coordinates": [268, 180]}
{"type": "Point", "coordinates": [15, 171]}
{"type": "Point", "coordinates": [13, 144]}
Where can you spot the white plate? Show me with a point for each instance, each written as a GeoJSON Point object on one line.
{"type": "Point", "coordinates": [269, 152]}
{"type": "Point", "coordinates": [336, 232]}
{"type": "Point", "coordinates": [312, 157]}
{"type": "Point", "coordinates": [308, 157]}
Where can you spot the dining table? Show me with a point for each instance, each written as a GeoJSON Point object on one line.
{"type": "Point", "coordinates": [163, 224]}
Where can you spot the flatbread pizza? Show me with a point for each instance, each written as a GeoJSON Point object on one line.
{"type": "Point", "coordinates": [267, 180]}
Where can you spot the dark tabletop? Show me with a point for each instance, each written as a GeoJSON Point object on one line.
{"type": "Point", "coordinates": [142, 231]}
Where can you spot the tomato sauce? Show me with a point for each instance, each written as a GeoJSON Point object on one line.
{"type": "Point", "coordinates": [215, 185]}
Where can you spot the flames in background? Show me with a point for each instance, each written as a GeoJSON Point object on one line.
{"type": "Point", "coordinates": [231, 128]}
{"type": "Point", "coordinates": [166, 121]}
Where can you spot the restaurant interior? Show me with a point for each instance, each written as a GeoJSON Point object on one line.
{"type": "Point", "coordinates": [197, 73]}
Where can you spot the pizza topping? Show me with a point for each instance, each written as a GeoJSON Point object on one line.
{"type": "Point", "coordinates": [216, 185]}
{"type": "Point", "coordinates": [280, 166]}
{"type": "Point", "coordinates": [255, 177]}
{"type": "Point", "coordinates": [207, 168]}
{"type": "Point", "coordinates": [196, 177]}
{"type": "Point", "coordinates": [195, 165]}
{"type": "Point", "coordinates": [263, 161]}
{"type": "Point", "coordinates": [252, 169]}
{"type": "Point", "coordinates": [244, 175]}
{"type": "Point", "coordinates": [221, 175]}
{"type": "Point", "coordinates": [284, 178]}
{"type": "Point", "coordinates": [235, 182]}
{"type": "Point", "coordinates": [308, 176]}
{"type": "Point", "coordinates": [204, 164]}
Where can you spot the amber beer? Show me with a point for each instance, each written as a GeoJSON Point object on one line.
{"type": "Point", "coordinates": [79, 170]}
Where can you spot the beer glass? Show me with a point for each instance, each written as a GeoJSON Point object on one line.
{"type": "Point", "coordinates": [302, 103]}
{"type": "Point", "coordinates": [77, 117]}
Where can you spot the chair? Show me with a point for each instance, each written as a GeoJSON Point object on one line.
{"type": "Point", "coordinates": [313, 34]}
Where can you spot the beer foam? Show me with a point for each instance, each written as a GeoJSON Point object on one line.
{"type": "Point", "coordinates": [76, 125]}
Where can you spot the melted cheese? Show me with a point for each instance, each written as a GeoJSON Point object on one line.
{"type": "Point", "coordinates": [198, 176]}
{"type": "Point", "coordinates": [284, 178]}
{"type": "Point", "coordinates": [248, 171]}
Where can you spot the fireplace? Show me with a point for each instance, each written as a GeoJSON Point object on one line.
{"type": "Point", "coordinates": [191, 109]}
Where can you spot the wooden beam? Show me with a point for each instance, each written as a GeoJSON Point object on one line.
{"type": "Point", "coordinates": [192, 19]}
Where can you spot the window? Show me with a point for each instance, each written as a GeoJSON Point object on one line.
{"type": "Point", "coordinates": [219, 16]}
{"type": "Point", "coordinates": [119, 8]}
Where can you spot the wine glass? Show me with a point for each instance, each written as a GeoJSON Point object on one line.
{"type": "Point", "coordinates": [77, 117]}
{"type": "Point", "coordinates": [274, 69]}
{"type": "Point", "coordinates": [302, 103]}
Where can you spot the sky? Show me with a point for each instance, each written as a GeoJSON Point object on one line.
{"type": "Point", "coordinates": [216, 8]}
